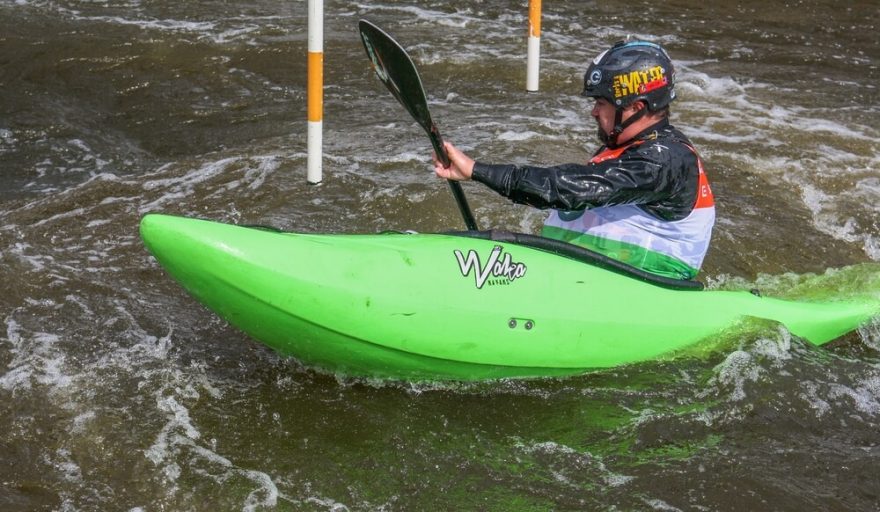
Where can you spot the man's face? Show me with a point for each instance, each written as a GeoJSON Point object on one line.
{"type": "Point", "coordinates": [603, 113]}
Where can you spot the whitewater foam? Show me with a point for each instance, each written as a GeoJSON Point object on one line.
{"type": "Point", "coordinates": [36, 359]}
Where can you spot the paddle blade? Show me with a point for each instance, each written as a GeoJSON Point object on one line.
{"type": "Point", "coordinates": [396, 70]}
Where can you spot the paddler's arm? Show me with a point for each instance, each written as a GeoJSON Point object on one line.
{"type": "Point", "coordinates": [565, 187]}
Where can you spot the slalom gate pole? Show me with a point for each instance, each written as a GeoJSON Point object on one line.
{"type": "Point", "coordinates": [534, 48]}
{"type": "Point", "coordinates": [315, 91]}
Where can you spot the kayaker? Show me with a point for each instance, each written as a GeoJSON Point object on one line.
{"type": "Point", "coordinates": [643, 198]}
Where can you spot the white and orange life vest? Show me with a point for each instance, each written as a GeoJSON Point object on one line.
{"type": "Point", "coordinates": [630, 234]}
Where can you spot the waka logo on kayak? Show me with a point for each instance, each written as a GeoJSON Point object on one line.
{"type": "Point", "coordinates": [500, 267]}
{"type": "Point", "coordinates": [639, 82]}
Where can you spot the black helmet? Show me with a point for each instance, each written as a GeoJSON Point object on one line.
{"type": "Point", "coordinates": [632, 71]}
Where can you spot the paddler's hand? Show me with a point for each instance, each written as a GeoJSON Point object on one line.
{"type": "Point", "coordinates": [461, 166]}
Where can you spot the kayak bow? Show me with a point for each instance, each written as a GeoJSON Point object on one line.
{"type": "Point", "coordinates": [445, 306]}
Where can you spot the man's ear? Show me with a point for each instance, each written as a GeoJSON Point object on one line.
{"type": "Point", "coordinates": [638, 105]}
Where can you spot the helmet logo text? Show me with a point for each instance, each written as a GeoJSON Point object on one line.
{"type": "Point", "coordinates": [639, 82]}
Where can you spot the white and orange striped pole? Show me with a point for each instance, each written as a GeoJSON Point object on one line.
{"type": "Point", "coordinates": [315, 91]}
{"type": "Point", "coordinates": [534, 49]}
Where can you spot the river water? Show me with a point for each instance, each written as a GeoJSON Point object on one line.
{"type": "Point", "coordinates": [120, 392]}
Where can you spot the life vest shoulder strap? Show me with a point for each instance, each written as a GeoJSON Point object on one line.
{"type": "Point", "coordinates": [705, 198]}
{"type": "Point", "coordinates": [610, 154]}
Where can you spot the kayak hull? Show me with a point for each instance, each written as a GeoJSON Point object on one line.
{"type": "Point", "coordinates": [441, 307]}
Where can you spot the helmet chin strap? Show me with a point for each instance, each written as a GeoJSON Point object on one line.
{"type": "Point", "coordinates": [610, 139]}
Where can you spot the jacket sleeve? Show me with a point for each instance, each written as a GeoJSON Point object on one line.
{"type": "Point", "coordinates": [631, 179]}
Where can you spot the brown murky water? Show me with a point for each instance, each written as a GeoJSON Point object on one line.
{"type": "Point", "coordinates": [119, 392]}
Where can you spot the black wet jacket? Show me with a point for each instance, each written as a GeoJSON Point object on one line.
{"type": "Point", "coordinates": [657, 170]}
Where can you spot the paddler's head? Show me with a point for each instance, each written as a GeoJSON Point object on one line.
{"type": "Point", "coordinates": [629, 81]}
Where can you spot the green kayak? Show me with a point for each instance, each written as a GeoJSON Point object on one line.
{"type": "Point", "coordinates": [465, 306]}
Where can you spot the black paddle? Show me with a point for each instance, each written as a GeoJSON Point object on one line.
{"type": "Point", "coordinates": [396, 70]}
